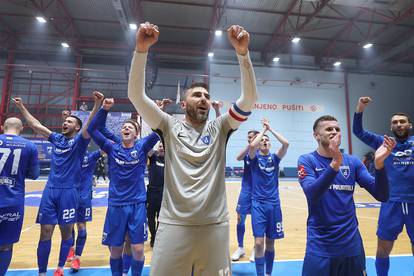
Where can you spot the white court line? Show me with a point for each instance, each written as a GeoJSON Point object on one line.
{"type": "Point", "coordinates": [28, 228]}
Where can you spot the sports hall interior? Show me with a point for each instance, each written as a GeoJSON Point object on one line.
{"type": "Point", "coordinates": [310, 58]}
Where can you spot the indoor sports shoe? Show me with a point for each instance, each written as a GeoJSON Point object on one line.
{"type": "Point", "coordinates": [71, 254]}
{"type": "Point", "coordinates": [238, 254]}
{"type": "Point", "coordinates": [252, 256]}
{"type": "Point", "coordinates": [75, 265]}
{"type": "Point", "coordinates": [58, 272]}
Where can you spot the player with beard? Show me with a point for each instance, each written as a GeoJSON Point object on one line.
{"type": "Point", "coordinates": [399, 209]}
{"type": "Point", "coordinates": [61, 196]}
{"type": "Point", "coordinates": [194, 227]}
{"type": "Point", "coordinates": [328, 177]}
{"type": "Point", "coordinates": [126, 214]}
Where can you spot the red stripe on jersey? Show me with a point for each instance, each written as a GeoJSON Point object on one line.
{"type": "Point", "coordinates": [232, 114]}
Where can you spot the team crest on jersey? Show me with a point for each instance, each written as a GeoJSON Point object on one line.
{"type": "Point", "coordinates": [104, 236]}
{"type": "Point", "coordinates": [70, 142]}
{"type": "Point", "coordinates": [206, 140]}
{"type": "Point", "coordinates": [1, 142]}
{"type": "Point", "coordinates": [301, 172]}
{"type": "Point", "coordinates": [345, 171]}
{"type": "Point", "coordinates": [85, 159]}
{"type": "Point", "coordinates": [134, 154]}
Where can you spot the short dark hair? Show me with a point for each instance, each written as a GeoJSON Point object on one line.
{"type": "Point", "coordinates": [322, 119]}
{"type": "Point", "coordinates": [134, 123]}
{"type": "Point", "coordinates": [78, 120]}
{"type": "Point", "coordinates": [402, 114]}
{"type": "Point", "coordinates": [265, 135]}
{"type": "Point", "coordinates": [193, 85]}
{"type": "Point", "coordinates": [200, 84]}
{"type": "Point", "coordinates": [252, 131]}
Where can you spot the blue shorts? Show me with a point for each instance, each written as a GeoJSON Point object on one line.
{"type": "Point", "coordinates": [392, 217]}
{"type": "Point", "coordinates": [244, 204]}
{"type": "Point", "coordinates": [84, 213]}
{"type": "Point", "coordinates": [58, 206]}
{"type": "Point", "coordinates": [119, 220]}
{"type": "Point", "coordinates": [11, 222]}
{"type": "Point", "coordinates": [333, 266]}
{"type": "Point", "coordinates": [267, 220]}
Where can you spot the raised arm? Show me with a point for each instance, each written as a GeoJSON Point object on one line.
{"type": "Point", "coordinates": [32, 121]}
{"type": "Point", "coordinates": [146, 36]}
{"type": "Point", "coordinates": [216, 106]}
{"type": "Point", "coordinates": [377, 187]}
{"type": "Point", "coordinates": [98, 98]}
{"type": "Point", "coordinates": [285, 143]}
{"type": "Point", "coordinates": [243, 153]}
{"type": "Point", "coordinates": [256, 141]}
{"type": "Point", "coordinates": [100, 119]}
{"type": "Point", "coordinates": [371, 139]}
{"type": "Point", "coordinates": [239, 39]}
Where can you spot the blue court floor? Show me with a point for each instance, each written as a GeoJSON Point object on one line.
{"type": "Point", "coordinates": [400, 266]}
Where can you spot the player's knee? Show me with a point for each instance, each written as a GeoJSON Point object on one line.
{"type": "Point", "coordinates": [6, 247]}
{"type": "Point", "coordinates": [46, 232]}
{"type": "Point", "coordinates": [259, 245]}
{"type": "Point", "coordinates": [138, 251]}
{"type": "Point", "coordinates": [384, 248]}
{"type": "Point", "coordinates": [270, 244]}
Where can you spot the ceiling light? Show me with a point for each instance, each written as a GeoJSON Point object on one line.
{"type": "Point", "coordinates": [210, 54]}
{"type": "Point", "coordinates": [276, 59]}
{"type": "Point", "coordinates": [338, 63]}
{"type": "Point", "coordinates": [367, 45]}
{"type": "Point", "coordinates": [133, 26]}
{"type": "Point", "coordinates": [64, 45]}
{"type": "Point", "coordinates": [41, 19]}
{"type": "Point", "coordinates": [218, 32]}
{"type": "Point", "coordinates": [296, 39]}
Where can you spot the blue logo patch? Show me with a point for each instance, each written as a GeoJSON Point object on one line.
{"type": "Point", "coordinates": [99, 198]}
{"type": "Point", "coordinates": [206, 140]}
{"type": "Point", "coordinates": [344, 171]}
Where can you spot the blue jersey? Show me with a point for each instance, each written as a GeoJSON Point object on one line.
{"type": "Point", "coordinates": [399, 165]}
{"type": "Point", "coordinates": [332, 225]}
{"type": "Point", "coordinates": [88, 168]}
{"type": "Point", "coordinates": [246, 185]}
{"type": "Point", "coordinates": [126, 165]}
{"type": "Point", "coordinates": [18, 160]}
{"type": "Point", "coordinates": [265, 178]}
{"type": "Point", "coordinates": [67, 156]}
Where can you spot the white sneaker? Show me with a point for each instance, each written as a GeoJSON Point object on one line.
{"type": "Point", "coordinates": [252, 256]}
{"type": "Point", "coordinates": [238, 254]}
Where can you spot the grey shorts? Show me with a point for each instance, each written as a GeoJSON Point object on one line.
{"type": "Point", "coordinates": [178, 248]}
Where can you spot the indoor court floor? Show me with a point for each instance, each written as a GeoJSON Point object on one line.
{"type": "Point", "coordinates": [289, 251]}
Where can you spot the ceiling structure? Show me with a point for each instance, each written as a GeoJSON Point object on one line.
{"type": "Point", "coordinates": [330, 31]}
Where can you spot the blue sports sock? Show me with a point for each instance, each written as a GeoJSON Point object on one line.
{"type": "Point", "coordinates": [382, 266]}
{"type": "Point", "coordinates": [240, 234]}
{"type": "Point", "coordinates": [126, 263]}
{"type": "Point", "coordinates": [241, 228]}
{"type": "Point", "coordinates": [260, 263]}
{"type": "Point", "coordinates": [65, 245]}
{"type": "Point", "coordinates": [5, 259]}
{"type": "Point", "coordinates": [73, 236]}
{"type": "Point", "coordinates": [269, 257]}
{"type": "Point", "coordinates": [136, 267]}
{"type": "Point", "coordinates": [43, 252]}
{"type": "Point", "coordinates": [116, 266]}
{"type": "Point", "coordinates": [80, 242]}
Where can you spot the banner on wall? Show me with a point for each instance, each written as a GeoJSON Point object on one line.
{"type": "Point", "coordinates": [283, 107]}
{"type": "Point", "coordinates": [44, 149]}
{"type": "Point", "coordinates": [114, 120]}
{"type": "Point", "coordinates": [289, 107]}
